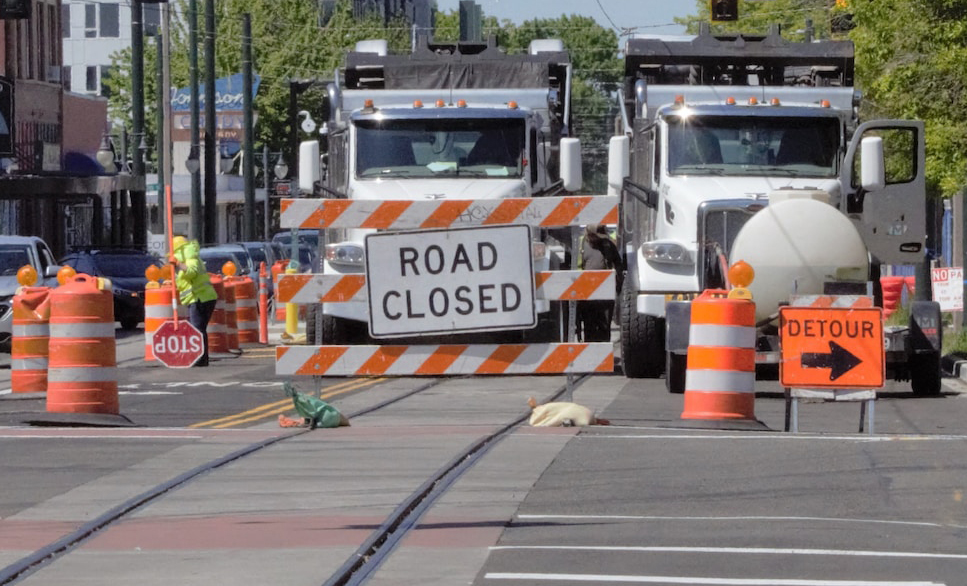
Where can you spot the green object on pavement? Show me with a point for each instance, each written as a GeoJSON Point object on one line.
{"type": "Point", "coordinates": [316, 411]}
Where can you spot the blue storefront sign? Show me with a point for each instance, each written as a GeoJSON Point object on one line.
{"type": "Point", "coordinates": [228, 94]}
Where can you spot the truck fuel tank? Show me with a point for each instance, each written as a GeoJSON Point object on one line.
{"type": "Point", "coordinates": [795, 245]}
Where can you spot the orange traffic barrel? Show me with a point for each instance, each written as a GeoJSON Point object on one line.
{"type": "Point", "coordinates": [246, 310]}
{"type": "Point", "coordinates": [82, 369]}
{"type": "Point", "coordinates": [892, 294]}
{"type": "Point", "coordinates": [217, 332]}
{"type": "Point", "coordinates": [720, 368]}
{"type": "Point", "coordinates": [231, 318]}
{"type": "Point", "coordinates": [278, 269]}
{"type": "Point", "coordinates": [157, 310]}
{"type": "Point", "coordinates": [29, 344]}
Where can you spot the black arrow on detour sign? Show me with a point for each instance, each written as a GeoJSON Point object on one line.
{"type": "Point", "coordinates": [838, 359]}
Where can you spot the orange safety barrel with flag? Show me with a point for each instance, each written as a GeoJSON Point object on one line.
{"type": "Point", "coordinates": [246, 310]}
{"type": "Point", "coordinates": [82, 369]}
{"type": "Point", "coordinates": [720, 368]}
{"type": "Point", "coordinates": [217, 332]}
{"type": "Point", "coordinates": [29, 344]}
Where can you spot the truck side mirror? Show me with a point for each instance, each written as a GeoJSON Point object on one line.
{"type": "Point", "coordinates": [872, 167]}
{"type": "Point", "coordinates": [308, 165]}
{"type": "Point", "coordinates": [619, 154]}
{"type": "Point", "coordinates": [571, 164]}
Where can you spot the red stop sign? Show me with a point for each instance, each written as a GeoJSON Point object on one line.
{"type": "Point", "coordinates": [177, 345]}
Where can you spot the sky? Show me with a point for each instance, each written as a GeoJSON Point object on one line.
{"type": "Point", "coordinates": [645, 16]}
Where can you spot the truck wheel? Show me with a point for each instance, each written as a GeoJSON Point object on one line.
{"type": "Point", "coordinates": [642, 338]}
{"type": "Point", "coordinates": [925, 374]}
{"type": "Point", "coordinates": [311, 325]}
{"type": "Point", "coordinates": [675, 372]}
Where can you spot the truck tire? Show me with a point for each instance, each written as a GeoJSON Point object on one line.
{"type": "Point", "coordinates": [642, 338]}
{"type": "Point", "coordinates": [925, 374]}
{"type": "Point", "coordinates": [675, 372]}
{"type": "Point", "coordinates": [311, 329]}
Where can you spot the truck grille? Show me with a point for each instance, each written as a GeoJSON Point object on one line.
{"type": "Point", "coordinates": [719, 223]}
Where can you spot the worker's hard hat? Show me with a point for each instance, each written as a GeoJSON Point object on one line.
{"type": "Point", "coordinates": [177, 242]}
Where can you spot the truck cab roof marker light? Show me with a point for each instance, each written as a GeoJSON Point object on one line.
{"type": "Point", "coordinates": [824, 104]}
{"type": "Point", "coordinates": [368, 105]}
{"type": "Point", "coordinates": [730, 101]}
{"type": "Point", "coordinates": [774, 102]}
{"type": "Point", "coordinates": [440, 103]}
{"type": "Point", "coordinates": [753, 101]}
{"type": "Point", "coordinates": [417, 103]}
{"type": "Point", "coordinates": [679, 100]}
{"type": "Point", "coordinates": [461, 103]}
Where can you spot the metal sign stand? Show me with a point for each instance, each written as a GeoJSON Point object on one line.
{"type": "Point", "coordinates": [866, 396]}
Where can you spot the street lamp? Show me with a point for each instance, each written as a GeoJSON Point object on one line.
{"type": "Point", "coordinates": [105, 155]}
{"type": "Point", "coordinates": [192, 163]}
{"type": "Point", "coordinates": [281, 169]}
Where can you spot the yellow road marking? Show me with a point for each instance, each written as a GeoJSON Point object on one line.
{"type": "Point", "coordinates": [277, 407]}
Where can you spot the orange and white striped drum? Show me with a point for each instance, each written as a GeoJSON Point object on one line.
{"type": "Point", "coordinates": [217, 331]}
{"type": "Point", "coordinates": [82, 370]}
{"type": "Point", "coordinates": [231, 317]}
{"type": "Point", "coordinates": [246, 310]}
{"type": "Point", "coordinates": [29, 345]}
{"type": "Point", "coordinates": [157, 310]}
{"type": "Point", "coordinates": [720, 370]}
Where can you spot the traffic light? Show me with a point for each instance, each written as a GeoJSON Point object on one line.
{"type": "Point", "coordinates": [723, 10]}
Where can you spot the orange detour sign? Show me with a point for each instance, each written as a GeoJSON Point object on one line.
{"type": "Point", "coordinates": [831, 347]}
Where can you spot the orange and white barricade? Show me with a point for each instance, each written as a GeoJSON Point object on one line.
{"type": "Point", "coordinates": [720, 369]}
{"type": "Point", "coordinates": [246, 310]}
{"type": "Point", "coordinates": [82, 369]}
{"type": "Point", "coordinates": [446, 359]}
{"type": "Point", "coordinates": [29, 345]}
{"type": "Point", "coordinates": [157, 310]}
{"type": "Point", "coordinates": [217, 330]}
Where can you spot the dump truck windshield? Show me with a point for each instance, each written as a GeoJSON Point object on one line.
{"type": "Point", "coordinates": [737, 145]}
{"type": "Point", "coordinates": [414, 148]}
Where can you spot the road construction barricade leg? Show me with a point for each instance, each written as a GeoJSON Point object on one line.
{"type": "Point", "coordinates": [217, 332]}
{"type": "Point", "coordinates": [157, 310]}
{"type": "Point", "coordinates": [481, 231]}
{"type": "Point", "coordinates": [82, 371]}
{"type": "Point", "coordinates": [720, 369]}
{"type": "Point", "coordinates": [246, 310]}
{"type": "Point", "coordinates": [29, 349]}
{"type": "Point", "coordinates": [231, 317]}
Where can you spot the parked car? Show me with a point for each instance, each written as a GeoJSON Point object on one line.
{"type": "Point", "coordinates": [15, 252]}
{"type": "Point", "coordinates": [307, 235]}
{"type": "Point", "coordinates": [125, 269]}
{"type": "Point", "coordinates": [217, 255]}
{"type": "Point", "coordinates": [262, 252]}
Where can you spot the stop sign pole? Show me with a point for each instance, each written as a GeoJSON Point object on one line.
{"type": "Point", "coordinates": [177, 344]}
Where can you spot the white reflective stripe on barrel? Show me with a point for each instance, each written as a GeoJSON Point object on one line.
{"type": "Point", "coordinates": [719, 381]}
{"type": "Point", "coordinates": [82, 330]}
{"type": "Point", "coordinates": [39, 363]}
{"type": "Point", "coordinates": [716, 335]}
{"type": "Point", "coordinates": [31, 330]}
{"type": "Point", "coordinates": [82, 374]}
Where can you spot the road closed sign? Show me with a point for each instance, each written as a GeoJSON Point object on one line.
{"type": "Point", "coordinates": [831, 347]}
{"type": "Point", "coordinates": [450, 281]}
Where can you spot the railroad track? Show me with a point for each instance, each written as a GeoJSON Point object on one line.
{"type": "Point", "coordinates": [360, 566]}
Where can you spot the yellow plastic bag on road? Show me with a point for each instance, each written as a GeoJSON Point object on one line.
{"type": "Point", "coordinates": [562, 414]}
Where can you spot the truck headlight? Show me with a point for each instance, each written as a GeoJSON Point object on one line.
{"type": "Point", "coordinates": [345, 253]}
{"type": "Point", "coordinates": [666, 252]}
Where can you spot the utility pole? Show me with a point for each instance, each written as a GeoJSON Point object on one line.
{"type": "Point", "coordinates": [137, 108]}
{"type": "Point", "coordinates": [197, 213]}
{"type": "Point", "coordinates": [163, 176]}
{"type": "Point", "coordinates": [211, 198]}
{"type": "Point", "coordinates": [248, 154]}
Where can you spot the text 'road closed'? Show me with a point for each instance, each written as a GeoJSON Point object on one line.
{"type": "Point", "coordinates": [450, 281]}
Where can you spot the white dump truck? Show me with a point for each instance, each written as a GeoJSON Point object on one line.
{"type": "Point", "coordinates": [448, 121]}
{"type": "Point", "coordinates": [739, 147]}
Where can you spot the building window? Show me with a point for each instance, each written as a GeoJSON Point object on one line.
{"type": "Point", "coordinates": [110, 25]}
{"type": "Point", "coordinates": [91, 78]}
{"type": "Point", "coordinates": [151, 19]}
{"type": "Point", "coordinates": [66, 77]}
{"type": "Point", "coordinates": [65, 21]}
{"type": "Point", "coordinates": [90, 21]}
